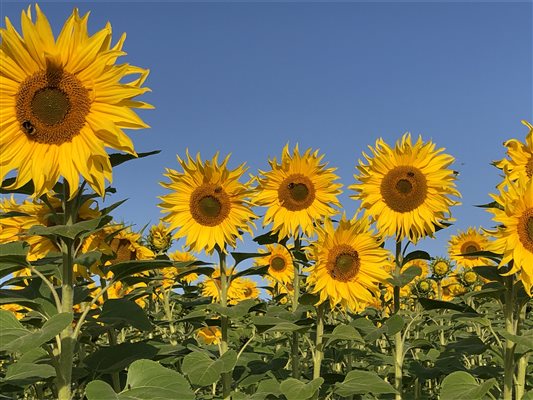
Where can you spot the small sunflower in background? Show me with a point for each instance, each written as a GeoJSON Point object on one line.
{"type": "Point", "coordinates": [468, 278]}
{"type": "Point", "coordinates": [406, 190]}
{"type": "Point", "coordinates": [207, 204]}
{"type": "Point", "coordinates": [63, 102]}
{"type": "Point", "coordinates": [441, 267]}
{"type": "Point", "coordinates": [279, 261]}
{"type": "Point", "coordinates": [211, 287]}
{"type": "Point", "coordinates": [349, 264]}
{"type": "Point", "coordinates": [470, 241]}
{"type": "Point", "coordinates": [520, 154]}
{"type": "Point", "coordinates": [514, 237]}
{"type": "Point", "coordinates": [298, 192]}
{"type": "Point", "coordinates": [452, 288]}
{"type": "Point", "coordinates": [184, 256]}
{"type": "Point", "coordinates": [209, 334]}
{"type": "Point", "coordinates": [249, 289]}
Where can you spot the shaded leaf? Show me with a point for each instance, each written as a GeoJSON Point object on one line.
{"type": "Point", "coordinates": [22, 373]}
{"type": "Point", "coordinates": [116, 358]}
{"type": "Point", "coordinates": [362, 382]}
{"type": "Point", "coordinates": [124, 311]}
{"type": "Point", "coordinates": [294, 389]}
{"type": "Point", "coordinates": [460, 385]}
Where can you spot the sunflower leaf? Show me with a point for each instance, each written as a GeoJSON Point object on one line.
{"type": "Point", "coordinates": [119, 158]}
{"type": "Point", "coordinates": [430, 304]}
{"type": "Point", "coordinates": [239, 257]}
{"type": "Point", "coordinates": [416, 255]}
{"type": "Point", "coordinates": [70, 231]}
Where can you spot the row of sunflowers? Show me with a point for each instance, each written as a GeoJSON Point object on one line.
{"type": "Point", "coordinates": [92, 309]}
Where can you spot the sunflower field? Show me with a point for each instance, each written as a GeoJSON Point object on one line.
{"type": "Point", "coordinates": [330, 306]}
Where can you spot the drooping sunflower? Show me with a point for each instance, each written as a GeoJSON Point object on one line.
{"type": "Point", "coordinates": [209, 334]}
{"type": "Point", "coordinates": [470, 241]}
{"type": "Point", "coordinates": [208, 205]}
{"type": "Point", "coordinates": [520, 156]}
{"type": "Point", "coordinates": [299, 191]}
{"type": "Point", "coordinates": [349, 264]}
{"type": "Point", "coordinates": [63, 101]}
{"type": "Point", "coordinates": [514, 238]}
{"type": "Point", "coordinates": [279, 261]}
{"type": "Point", "coordinates": [406, 189]}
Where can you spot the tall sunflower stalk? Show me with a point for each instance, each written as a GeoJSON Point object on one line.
{"type": "Point", "coordinates": [295, 350]}
{"type": "Point", "coordinates": [398, 339]}
{"type": "Point", "coordinates": [224, 321]}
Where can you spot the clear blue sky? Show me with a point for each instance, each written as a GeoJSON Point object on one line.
{"type": "Point", "coordinates": [246, 78]}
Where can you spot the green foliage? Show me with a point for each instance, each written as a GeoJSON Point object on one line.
{"type": "Point", "coordinates": [461, 385]}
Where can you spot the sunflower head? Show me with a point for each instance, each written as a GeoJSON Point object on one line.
{"type": "Point", "coordinates": [514, 236]}
{"type": "Point", "coordinates": [208, 205]}
{"type": "Point", "coordinates": [184, 256]}
{"type": "Point", "coordinates": [470, 241]}
{"type": "Point", "coordinates": [298, 192]}
{"type": "Point", "coordinates": [63, 102]}
{"type": "Point", "coordinates": [209, 334]}
{"type": "Point", "coordinates": [441, 267]}
{"type": "Point", "coordinates": [348, 264]}
{"type": "Point", "coordinates": [159, 238]}
{"type": "Point", "coordinates": [406, 190]}
{"type": "Point", "coordinates": [279, 261]}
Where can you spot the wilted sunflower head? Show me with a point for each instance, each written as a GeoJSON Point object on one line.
{"type": "Point", "coordinates": [207, 204]}
{"type": "Point", "coordinates": [520, 155]}
{"type": "Point", "coordinates": [406, 189]}
{"type": "Point", "coordinates": [514, 236]}
{"type": "Point", "coordinates": [348, 264]}
{"type": "Point", "coordinates": [63, 102]}
{"type": "Point", "coordinates": [159, 238]}
{"type": "Point", "coordinates": [298, 192]}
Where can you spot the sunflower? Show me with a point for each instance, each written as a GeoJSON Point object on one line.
{"type": "Point", "coordinates": [211, 288]}
{"type": "Point", "coordinates": [63, 102]}
{"type": "Point", "coordinates": [183, 256]}
{"type": "Point", "coordinates": [514, 238]}
{"type": "Point", "coordinates": [298, 192]}
{"type": "Point", "coordinates": [209, 334]}
{"type": "Point", "coordinates": [249, 289]}
{"type": "Point", "coordinates": [521, 156]}
{"type": "Point", "coordinates": [451, 288]}
{"type": "Point", "coordinates": [208, 205]}
{"type": "Point", "coordinates": [470, 241]}
{"type": "Point", "coordinates": [159, 238]}
{"type": "Point", "coordinates": [279, 261]}
{"type": "Point", "coordinates": [349, 264]}
{"type": "Point", "coordinates": [36, 212]}
{"type": "Point", "coordinates": [441, 267]}
{"type": "Point", "coordinates": [406, 190]}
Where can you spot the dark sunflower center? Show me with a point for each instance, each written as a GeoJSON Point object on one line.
{"type": "Point", "coordinates": [343, 263]}
{"type": "Point", "coordinates": [296, 192]}
{"type": "Point", "coordinates": [529, 225]}
{"type": "Point", "coordinates": [51, 106]}
{"type": "Point", "coordinates": [247, 292]}
{"type": "Point", "coordinates": [209, 205]}
{"type": "Point", "coordinates": [277, 263]}
{"type": "Point", "coordinates": [470, 247]}
{"type": "Point", "coordinates": [404, 188]}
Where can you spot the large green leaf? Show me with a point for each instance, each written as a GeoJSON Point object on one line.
{"type": "Point", "coordinates": [116, 358]}
{"type": "Point", "coordinates": [70, 231]}
{"type": "Point", "coordinates": [201, 369]}
{"type": "Point", "coordinates": [121, 311]}
{"type": "Point", "coordinates": [128, 268]}
{"type": "Point", "coordinates": [460, 385]}
{"type": "Point", "coordinates": [237, 311]}
{"type": "Point", "coordinates": [343, 332]}
{"type": "Point", "coordinates": [362, 382]}
{"type": "Point", "coordinates": [119, 158]}
{"type": "Point", "coordinates": [266, 388]}
{"type": "Point", "coordinates": [430, 304]}
{"type": "Point", "coordinates": [294, 389]}
{"type": "Point", "coordinates": [405, 277]}
{"type": "Point", "coordinates": [394, 324]}
{"type": "Point", "coordinates": [416, 255]}
{"type": "Point", "coordinates": [147, 380]}
{"type": "Point", "coordinates": [21, 373]}
{"type": "Point", "coordinates": [31, 340]}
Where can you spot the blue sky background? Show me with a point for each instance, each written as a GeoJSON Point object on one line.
{"type": "Point", "coordinates": [246, 78]}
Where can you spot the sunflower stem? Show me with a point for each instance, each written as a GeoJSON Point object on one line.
{"type": "Point", "coordinates": [510, 327]}
{"type": "Point", "coordinates": [521, 367]}
{"type": "Point", "coordinates": [224, 323]}
{"type": "Point", "coordinates": [65, 362]}
{"type": "Point", "coordinates": [398, 339]}
{"type": "Point", "coordinates": [295, 351]}
{"type": "Point", "coordinates": [319, 345]}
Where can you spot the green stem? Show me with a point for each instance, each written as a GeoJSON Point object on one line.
{"type": "Point", "coordinates": [295, 351]}
{"type": "Point", "coordinates": [521, 367]}
{"type": "Point", "coordinates": [441, 322]}
{"type": "Point", "coordinates": [508, 312]}
{"type": "Point", "coordinates": [398, 340]}
{"type": "Point", "coordinates": [224, 322]}
{"type": "Point", "coordinates": [319, 345]}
